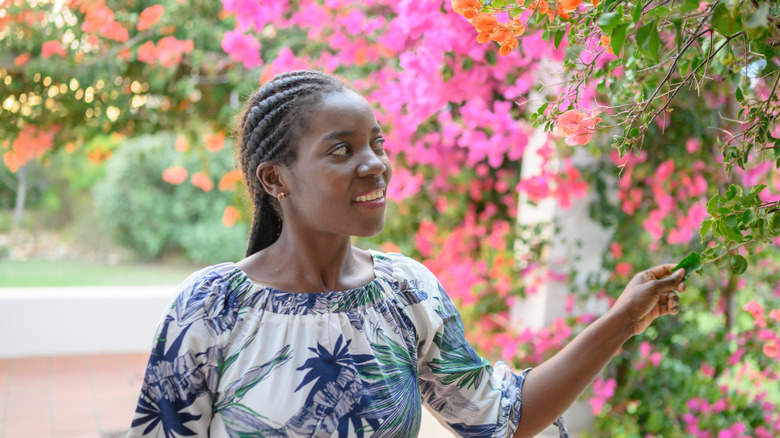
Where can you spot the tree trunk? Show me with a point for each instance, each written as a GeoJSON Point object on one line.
{"type": "Point", "coordinates": [21, 194]}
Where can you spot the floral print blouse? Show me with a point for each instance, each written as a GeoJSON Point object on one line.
{"type": "Point", "coordinates": [235, 358]}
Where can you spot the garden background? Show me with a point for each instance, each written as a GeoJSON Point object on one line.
{"type": "Point", "coordinates": [117, 150]}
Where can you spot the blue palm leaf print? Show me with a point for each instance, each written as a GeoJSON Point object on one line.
{"type": "Point", "coordinates": [176, 390]}
{"type": "Point", "coordinates": [394, 389]}
{"type": "Point", "coordinates": [335, 399]}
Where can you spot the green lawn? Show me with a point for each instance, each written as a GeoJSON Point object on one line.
{"type": "Point", "coordinates": [37, 273]}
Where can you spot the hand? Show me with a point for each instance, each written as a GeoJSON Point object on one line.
{"type": "Point", "coordinates": [649, 295]}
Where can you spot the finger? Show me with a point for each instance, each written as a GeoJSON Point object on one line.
{"type": "Point", "coordinates": [667, 283]}
{"type": "Point", "coordinates": [661, 271]}
{"type": "Point", "coordinates": [668, 303]}
{"type": "Point", "coordinates": [681, 287]}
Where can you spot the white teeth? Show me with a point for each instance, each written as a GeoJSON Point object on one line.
{"type": "Point", "coordinates": [370, 197]}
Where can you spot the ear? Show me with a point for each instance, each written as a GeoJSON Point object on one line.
{"type": "Point", "coordinates": [271, 179]}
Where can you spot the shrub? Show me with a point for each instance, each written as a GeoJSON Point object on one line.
{"type": "Point", "coordinates": [152, 217]}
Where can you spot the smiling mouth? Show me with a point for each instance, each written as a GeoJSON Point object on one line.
{"type": "Point", "coordinates": [376, 194]}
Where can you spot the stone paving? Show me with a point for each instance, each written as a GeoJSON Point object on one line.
{"type": "Point", "coordinates": [92, 396]}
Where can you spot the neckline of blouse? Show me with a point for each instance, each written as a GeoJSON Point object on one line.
{"type": "Point", "coordinates": [382, 268]}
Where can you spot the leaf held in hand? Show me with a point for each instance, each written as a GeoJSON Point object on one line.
{"type": "Point", "coordinates": [690, 263]}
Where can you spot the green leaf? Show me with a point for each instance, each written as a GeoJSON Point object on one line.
{"type": "Point", "coordinates": [618, 38]}
{"type": "Point", "coordinates": [690, 263]}
{"type": "Point", "coordinates": [738, 264]}
{"type": "Point", "coordinates": [704, 228]}
{"type": "Point", "coordinates": [740, 97]}
{"type": "Point", "coordinates": [712, 205]}
{"type": "Point", "coordinates": [756, 23]}
{"type": "Point", "coordinates": [734, 191]}
{"type": "Point", "coordinates": [689, 5]}
{"type": "Point", "coordinates": [748, 217]}
{"type": "Point", "coordinates": [726, 21]}
{"type": "Point", "coordinates": [728, 231]}
{"type": "Point", "coordinates": [636, 14]}
{"type": "Point", "coordinates": [558, 37]}
{"type": "Point", "coordinates": [774, 223]}
{"type": "Point", "coordinates": [609, 21]}
{"type": "Point", "coordinates": [648, 40]}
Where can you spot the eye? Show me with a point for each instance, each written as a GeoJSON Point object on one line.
{"type": "Point", "coordinates": [379, 145]}
{"type": "Point", "coordinates": [341, 149]}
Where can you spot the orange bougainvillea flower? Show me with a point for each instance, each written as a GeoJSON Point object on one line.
{"type": "Point", "coordinates": [149, 17]}
{"type": "Point", "coordinates": [202, 181]}
{"type": "Point", "coordinates": [569, 5]}
{"type": "Point", "coordinates": [541, 5]}
{"type": "Point", "coordinates": [569, 122]}
{"type": "Point", "coordinates": [564, 14]}
{"type": "Point", "coordinates": [147, 53]}
{"type": "Point", "coordinates": [483, 37]}
{"type": "Point", "coordinates": [577, 128]}
{"type": "Point", "coordinates": [594, 3]}
{"type": "Point", "coordinates": [214, 142]}
{"type": "Point", "coordinates": [605, 43]}
{"type": "Point", "coordinates": [51, 48]}
{"type": "Point", "coordinates": [21, 59]}
{"type": "Point", "coordinates": [230, 216]}
{"type": "Point", "coordinates": [484, 22]}
{"type": "Point", "coordinates": [229, 180]}
{"type": "Point", "coordinates": [174, 175]}
{"type": "Point", "coordinates": [500, 35]}
{"type": "Point", "coordinates": [181, 144]}
{"type": "Point", "coordinates": [508, 46]}
{"type": "Point", "coordinates": [467, 8]}
{"type": "Point", "coordinates": [114, 31]}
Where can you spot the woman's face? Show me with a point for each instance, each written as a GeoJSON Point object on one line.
{"type": "Point", "coordinates": [338, 182]}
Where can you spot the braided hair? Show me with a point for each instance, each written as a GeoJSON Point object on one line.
{"type": "Point", "coordinates": [270, 124]}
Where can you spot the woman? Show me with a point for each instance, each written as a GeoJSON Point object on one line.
{"type": "Point", "coordinates": [310, 336]}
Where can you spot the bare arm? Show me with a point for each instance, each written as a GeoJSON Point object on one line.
{"type": "Point", "coordinates": [553, 386]}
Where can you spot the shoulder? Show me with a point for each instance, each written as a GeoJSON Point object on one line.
{"type": "Point", "coordinates": [414, 281]}
{"type": "Point", "coordinates": [211, 294]}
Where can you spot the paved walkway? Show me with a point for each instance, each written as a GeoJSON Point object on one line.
{"type": "Point", "coordinates": [69, 396]}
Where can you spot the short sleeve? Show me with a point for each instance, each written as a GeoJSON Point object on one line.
{"type": "Point", "coordinates": [182, 373]}
{"type": "Point", "coordinates": [462, 390]}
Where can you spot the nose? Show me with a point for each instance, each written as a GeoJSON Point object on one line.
{"type": "Point", "coordinates": [370, 164]}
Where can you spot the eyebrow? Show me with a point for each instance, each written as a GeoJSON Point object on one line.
{"type": "Point", "coordinates": [347, 133]}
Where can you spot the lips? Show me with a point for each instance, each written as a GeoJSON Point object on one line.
{"type": "Point", "coordinates": [370, 196]}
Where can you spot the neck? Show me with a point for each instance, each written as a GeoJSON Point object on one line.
{"type": "Point", "coordinates": [306, 263]}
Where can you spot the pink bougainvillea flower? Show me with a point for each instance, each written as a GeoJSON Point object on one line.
{"type": "Point", "coordinates": [230, 216]}
{"type": "Point", "coordinates": [149, 17]}
{"type": "Point", "coordinates": [756, 311]}
{"type": "Point", "coordinates": [202, 181]}
{"type": "Point", "coordinates": [772, 349]}
{"type": "Point", "coordinates": [174, 175]}
{"type": "Point", "coordinates": [51, 48]}
{"type": "Point", "coordinates": [602, 392]}
{"type": "Point", "coordinates": [243, 48]}
{"type": "Point", "coordinates": [775, 314]}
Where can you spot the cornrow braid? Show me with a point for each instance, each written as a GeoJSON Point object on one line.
{"type": "Point", "coordinates": [272, 121]}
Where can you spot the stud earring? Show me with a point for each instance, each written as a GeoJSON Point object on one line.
{"type": "Point", "coordinates": [281, 196]}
